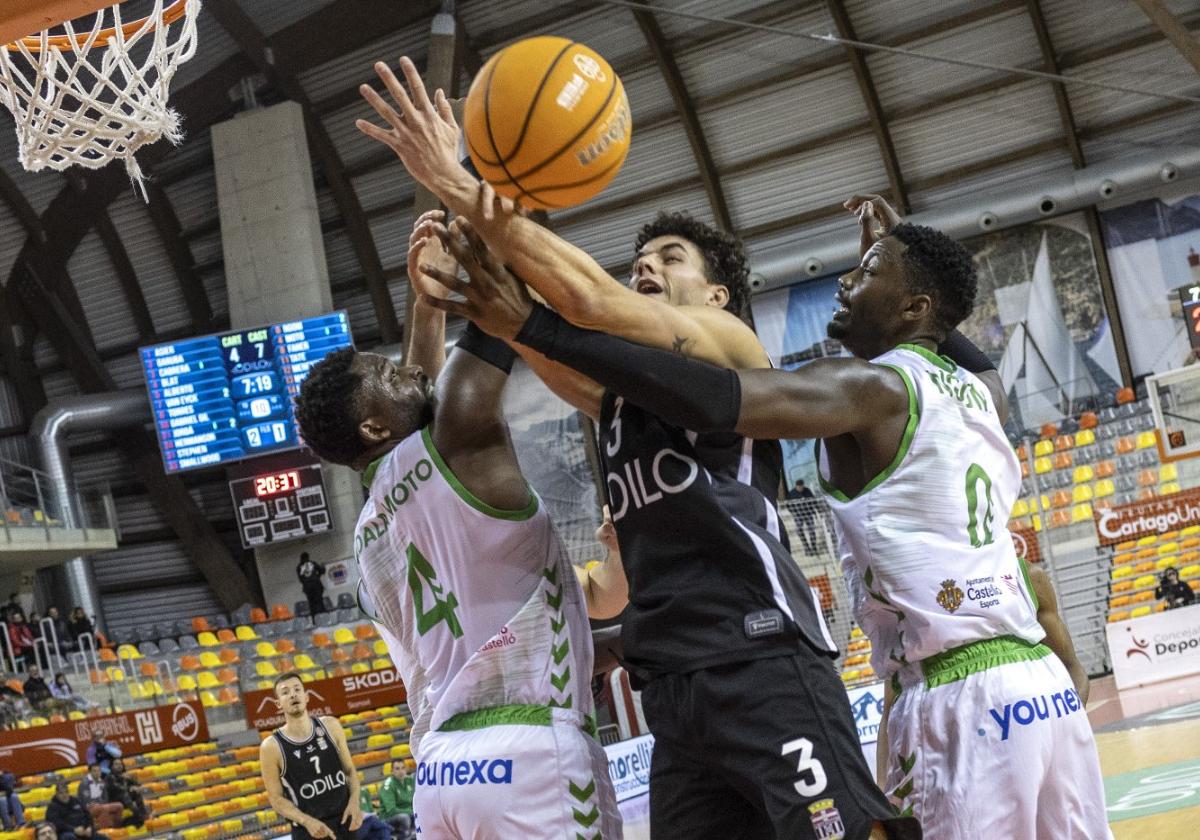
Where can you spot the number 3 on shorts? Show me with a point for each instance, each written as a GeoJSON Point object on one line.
{"type": "Point", "coordinates": [808, 766]}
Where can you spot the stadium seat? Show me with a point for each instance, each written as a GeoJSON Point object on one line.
{"type": "Point", "coordinates": [1024, 470]}
{"type": "Point", "coordinates": [1020, 508]}
{"type": "Point", "coordinates": [1124, 396]}
{"type": "Point", "coordinates": [1022, 452]}
{"type": "Point", "coordinates": [1061, 498]}
{"type": "Point", "coordinates": [1119, 601]}
{"type": "Point", "coordinates": [1145, 581]}
{"type": "Point", "coordinates": [229, 656]}
{"type": "Point", "coordinates": [381, 649]}
{"type": "Point", "coordinates": [1104, 488]}
{"type": "Point", "coordinates": [209, 659]}
{"type": "Point", "coordinates": [106, 655]}
{"type": "Point", "coordinates": [265, 650]}
{"type": "Point", "coordinates": [148, 649]}
{"type": "Point", "coordinates": [1119, 615]}
{"type": "Point", "coordinates": [148, 669]}
{"type": "Point", "coordinates": [1043, 448]}
{"type": "Point", "coordinates": [1059, 518]}
{"type": "Point", "coordinates": [321, 640]}
{"type": "Point", "coordinates": [1146, 440]}
{"type": "Point", "coordinates": [1125, 445]}
{"type": "Point", "coordinates": [200, 624]}
{"type": "Point", "coordinates": [1088, 420]}
{"type": "Point", "coordinates": [264, 668]}
{"type": "Point", "coordinates": [258, 615]}
{"type": "Point", "coordinates": [1049, 430]}
{"type": "Point", "coordinates": [1147, 478]}
{"type": "Point", "coordinates": [1041, 466]}
{"type": "Point", "coordinates": [1190, 572]}
{"type": "Point", "coordinates": [1168, 547]}
{"type": "Point", "coordinates": [1063, 461]}
{"type": "Point", "coordinates": [1082, 493]}
{"type": "Point", "coordinates": [359, 668]}
{"type": "Point", "coordinates": [381, 663]}
{"type": "Point", "coordinates": [1083, 474]}
{"type": "Point", "coordinates": [285, 645]}
{"type": "Point", "coordinates": [1063, 442]}
{"type": "Point", "coordinates": [1138, 612]}
{"type": "Point", "coordinates": [280, 612]}
{"type": "Point", "coordinates": [1168, 472]}
{"type": "Point", "coordinates": [227, 676]}
{"type": "Point", "coordinates": [226, 636]}
{"type": "Point", "coordinates": [304, 662]}
{"type": "Point", "coordinates": [1105, 469]}
{"type": "Point", "coordinates": [207, 679]}
{"type": "Point", "coordinates": [1081, 513]}
{"type": "Point", "coordinates": [207, 638]}
{"type": "Point", "coordinates": [340, 655]}
{"type": "Point", "coordinates": [365, 631]}
{"type": "Point", "coordinates": [128, 652]}
{"type": "Point", "coordinates": [361, 651]}
{"type": "Point", "coordinates": [1084, 438]}
{"type": "Point", "coordinates": [1169, 488]}
{"type": "Point", "coordinates": [343, 636]}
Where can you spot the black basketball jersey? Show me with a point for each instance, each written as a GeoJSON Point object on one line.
{"type": "Point", "coordinates": [711, 578]}
{"type": "Point", "coordinates": [313, 777]}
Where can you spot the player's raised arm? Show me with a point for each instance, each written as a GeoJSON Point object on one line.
{"type": "Point", "coordinates": [425, 136]}
{"type": "Point", "coordinates": [425, 344]}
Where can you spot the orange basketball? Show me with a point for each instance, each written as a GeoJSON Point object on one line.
{"type": "Point", "coordinates": [547, 123]}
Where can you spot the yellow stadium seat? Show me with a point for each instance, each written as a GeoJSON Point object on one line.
{"type": "Point", "coordinates": [1083, 474]}
{"type": "Point", "coordinates": [1169, 488]}
{"type": "Point", "coordinates": [207, 679]}
{"type": "Point", "coordinates": [379, 740]}
{"type": "Point", "coordinates": [400, 751]}
{"type": "Point", "coordinates": [209, 699]}
{"type": "Point", "coordinates": [359, 668]}
{"type": "Point", "coordinates": [1042, 465]}
{"type": "Point", "coordinates": [1190, 531]}
{"type": "Point", "coordinates": [1138, 612]}
{"type": "Point", "coordinates": [128, 652]}
{"type": "Point", "coordinates": [343, 636]}
{"type": "Point", "coordinates": [76, 715]}
{"type": "Point", "coordinates": [209, 659]}
{"type": "Point", "coordinates": [1037, 523]}
{"type": "Point", "coordinates": [1168, 548]}
{"type": "Point", "coordinates": [1082, 493]}
{"type": "Point", "coordinates": [1085, 437]}
{"type": "Point", "coordinates": [1145, 581]}
{"type": "Point", "coordinates": [1164, 562]}
{"type": "Point", "coordinates": [116, 674]}
{"type": "Point", "coordinates": [186, 682]}
{"type": "Point", "coordinates": [851, 676]}
{"type": "Point", "coordinates": [265, 650]}
{"type": "Point", "coordinates": [1168, 472]}
{"type": "Point", "coordinates": [265, 669]}
{"type": "Point", "coordinates": [380, 647]}
{"type": "Point", "coordinates": [1190, 572]}
{"type": "Point", "coordinates": [1020, 508]}
{"type": "Point", "coordinates": [207, 639]}
{"type": "Point", "coordinates": [381, 663]}
{"type": "Point", "coordinates": [1119, 615]}
{"type": "Point", "coordinates": [304, 662]}
{"type": "Point", "coordinates": [1146, 440]}
{"type": "Point", "coordinates": [245, 633]}
{"type": "Point", "coordinates": [1122, 572]}
{"type": "Point", "coordinates": [1042, 448]}
{"type": "Point", "coordinates": [1149, 539]}
{"type": "Point", "coordinates": [1081, 513]}
{"type": "Point", "coordinates": [1105, 488]}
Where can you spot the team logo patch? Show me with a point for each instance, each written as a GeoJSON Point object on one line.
{"type": "Point", "coordinates": [826, 820]}
{"type": "Point", "coordinates": [951, 597]}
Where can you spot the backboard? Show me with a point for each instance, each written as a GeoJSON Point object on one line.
{"type": "Point", "coordinates": [1175, 400]}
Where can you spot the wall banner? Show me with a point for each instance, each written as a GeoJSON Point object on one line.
{"type": "Point", "coordinates": [333, 696]}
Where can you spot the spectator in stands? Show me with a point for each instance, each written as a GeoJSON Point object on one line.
{"type": "Point", "coordinates": [310, 573]}
{"type": "Point", "coordinates": [21, 636]}
{"type": "Point", "coordinates": [13, 706]}
{"type": "Point", "coordinates": [101, 752]}
{"type": "Point", "coordinates": [78, 624]}
{"type": "Point", "coordinates": [805, 514]}
{"type": "Point", "coordinates": [123, 789]}
{"type": "Point", "coordinates": [1174, 591]}
{"type": "Point", "coordinates": [373, 828]}
{"type": "Point", "coordinates": [45, 831]}
{"type": "Point", "coordinates": [396, 800]}
{"type": "Point", "coordinates": [12, 606]}
{"type": "Point", "coordinates": [12, 814]}
{"type": "Point", "coordinates": [36, 690]}
{"type": "Point", "coordinates": [65, 640]}
{"type": "Point", "coordinates": [62, 691]}
{"type": "Point", "coordinates": [69, 817]}
{"type": "Point", "coordinates": [93, 793]}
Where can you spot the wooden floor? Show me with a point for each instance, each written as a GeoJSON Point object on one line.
{"type": "Point", "coordinates": [1149, 743]}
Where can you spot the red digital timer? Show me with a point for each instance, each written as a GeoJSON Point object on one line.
{"type": "Point", "coordinates": [269, 485]}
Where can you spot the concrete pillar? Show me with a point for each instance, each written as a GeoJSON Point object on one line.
{"type": "Point", "coordinates": [275, 270]}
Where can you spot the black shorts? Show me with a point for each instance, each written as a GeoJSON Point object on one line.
{"type": "Point", "coordinates": [340, 832]}
{"type": "Point", "coordinates": [760, 750]}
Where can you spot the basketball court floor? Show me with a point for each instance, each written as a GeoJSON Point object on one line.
{"type": "Point", "coordinates": [1149, 742]}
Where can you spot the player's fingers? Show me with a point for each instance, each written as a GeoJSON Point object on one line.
{"type": "Point", "coordinates": [387, 138]}
{"type": "Point", "coordinates": [855, 200]}
{"type": "Point", "coordinates": [452, 240]}
{"type": "Point", "coordinates": [487, 201]}
{"type": "Point", "coordinates": [416, 84]}
{"type": "Point", "coordinates": [443, 108]}
{"type": "Point", "coordinates": [407, 109]}
{"type": "Point", "coordinates": [451, 307]}
{"type": "Point", "coordinates": [446, 279]}
{"type": "Point", "coordinates": [381, 106]}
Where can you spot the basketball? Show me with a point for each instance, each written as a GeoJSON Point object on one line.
{"type": "Point", "coordinates": [547, 123]}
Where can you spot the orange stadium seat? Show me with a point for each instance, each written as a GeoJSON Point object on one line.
{"type": "Point", "coordinates": [1063, 461]}
{"type": "Point", "coordinates": [258, 615]}
{"type": "Point", "coordinates": [280, 612]}
{"type": "Point", "coordinates": [200, 624]}
{"type": "Point", "coordinates": [1125, 395]}
{"type": "Point", "coordinates": [321, 640]}
{"type": "Point", "coordinates": [1024, 470]}
{"type": "Point", "coordinates": [1088, 420]}
{"type": "Point", "coordinates": [106, 655]}
{"type": "Point", "coordinates": [1049, 430]}
{"type": "Point", "coordinates": [1119, 601]}
{"type": "Point", "coordinates": [1059, 518]}
{"type": "Point", "coordinates": [1119, 615]}
{"type": "Point", "coordinates": [226, 636]}
{"type": "Point", "coordinates": [1060, 499]}
{"type": "Point", "coordinates": [1125, 445]}
{"type": "Point", "coordinates": [365, 631]}
{"type": "Point", "coordinates": [188, 662]}
{"type": "Point", "coordinates": [229, 656]}
{"type": "Point", "coordinates": [285, 646]}
{"type": "Point", "coordinates": [361, 651]}
{"type": "Point", "coordinates": [1105, 469]}
{"type": "Point", "coordinates": [1147, 478]}
{"type": "Point", "coordinates": [148, 669]}
{"type": "Point", "coordinates": [1063, 443]}
{"type": "Point", "coordinates": [1022, 453]}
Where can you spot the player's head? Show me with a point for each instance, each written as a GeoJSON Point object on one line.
{"type": "Point", "coordinates": [687, 263]}
{"type": "Point", "coordinates": [354, 406]}
{"type": "Point", "coordinates": [914, 283]}
{"type": "Point", "coordinates": [291, 694]}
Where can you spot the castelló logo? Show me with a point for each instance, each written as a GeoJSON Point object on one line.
{"type": "Point", "coordinates": [951, 597]}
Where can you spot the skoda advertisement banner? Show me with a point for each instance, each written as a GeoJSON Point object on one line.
{"type": "Point", "coordinates": [40, 749]}
{"type": "Point", "coordinates": [1156, 647]}
{"type": "Point", "coordinates": [332, 696]}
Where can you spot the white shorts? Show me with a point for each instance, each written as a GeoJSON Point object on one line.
{"type": "Point", "coordinates": [991, 740]}
{"type": "Point", "coordinates": [492, 779]}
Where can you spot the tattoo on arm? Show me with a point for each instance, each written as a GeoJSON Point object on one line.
{"type": "Point", "coordinates": [678, 345]}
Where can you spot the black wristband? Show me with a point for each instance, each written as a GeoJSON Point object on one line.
{"type": "Point", "coordinates": [960, 350]}
{"type": "Point", "coordinates": [490, 349]}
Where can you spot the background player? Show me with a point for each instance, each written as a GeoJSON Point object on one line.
{"type": "Point", "coordinates": [307, 769]}
{"type": "Point", "coordinates": [474, 593]}
{"type": "Point", "coordinates": [721, 617]}
{"type": "Point", "coordinates": [920, 477]}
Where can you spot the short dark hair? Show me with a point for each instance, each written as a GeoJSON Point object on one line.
{"type": "Point", "coordinates": [724, 254]}
{"type": "Point", "coordinates": [938, 266]}
{"type": "Point", "coordinates": [290, 675]}
{"type": "Point", "coordinates": [326, 409]}
{"type": "Point", "coordinates": [303, 555]}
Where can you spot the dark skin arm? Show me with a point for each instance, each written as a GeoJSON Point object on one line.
{"type": "Point", "coordinates": [469, 428]}
{"type": "Point", "coordinates": [862, 408]}
{"type": "Point", "coordinates": [1058, 638]}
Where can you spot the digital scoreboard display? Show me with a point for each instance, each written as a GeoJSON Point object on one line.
{"type": "Point", "coordinates": [1189, 296]}
{"type": "Point", "coordinates": [286, 504]}
{"type": "Point", "coordinates": [224, 397]}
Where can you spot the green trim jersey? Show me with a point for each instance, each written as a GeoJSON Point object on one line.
{"type": "Point", "coordinates": [925, 547]}
{"type": "Point", "coordinates": [480, 607]}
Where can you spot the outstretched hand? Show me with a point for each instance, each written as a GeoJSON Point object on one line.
{"type": "Point", "coordinates": [876, 218]}
{"type": "Point", "coordinates": [495, 300]}
{"type": "Point", "coordinates": [424, 248]}
{"type": "Point", "coordinates": [423, 133]}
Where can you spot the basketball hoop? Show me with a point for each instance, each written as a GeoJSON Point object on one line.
{"type": "Point", "coordinates": [85, 98]}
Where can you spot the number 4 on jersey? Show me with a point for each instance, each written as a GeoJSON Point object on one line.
{"type": "Point", "coordinates": [420, 576]}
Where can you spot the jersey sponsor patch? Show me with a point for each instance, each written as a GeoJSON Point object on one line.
{"type": "Point", "coordinates": [950, 597]}
{"type": "Point", "coordinates": [763, 623]}
{"type": "Point", "coordinates": [1030, 710]}
{"type": "Point", "coordinates": [485, 771]}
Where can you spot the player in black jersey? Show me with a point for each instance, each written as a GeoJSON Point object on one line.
{"type": "Point", "coordinates": [307, 770]}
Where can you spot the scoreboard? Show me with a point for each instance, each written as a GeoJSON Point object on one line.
{"type": "Point", "coordinates": [1189, 296]}
{"type": "Point", "coordinates": [224, 397]}
{"type": "Point", "coordinates": [285, 504]}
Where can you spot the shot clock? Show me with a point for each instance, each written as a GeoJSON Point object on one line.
{"type": "Point", "coordinates": [224, 397]}
{"type": "Point", "coordinates": [284, 504]}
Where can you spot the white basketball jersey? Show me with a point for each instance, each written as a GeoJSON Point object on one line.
{"type": "Point", "coordinates": [925, 547]}
{"type": "Point", "coordinates": [480, 607]}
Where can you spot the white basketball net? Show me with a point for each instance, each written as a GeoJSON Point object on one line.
{"type": "Point", "coordinates": [104, 98]}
